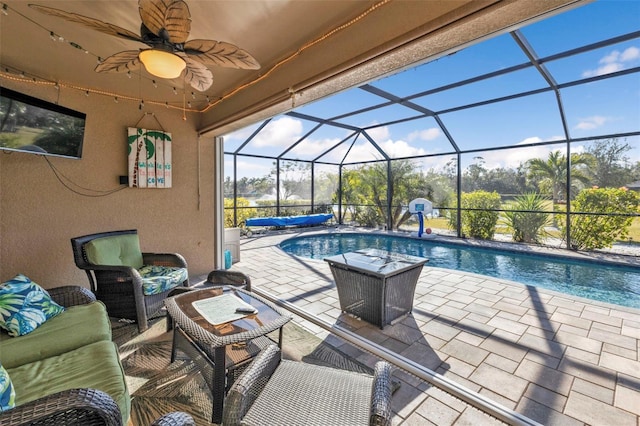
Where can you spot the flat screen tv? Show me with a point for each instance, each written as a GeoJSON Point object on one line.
{"type": "Point", "coordinates": [35, 126]}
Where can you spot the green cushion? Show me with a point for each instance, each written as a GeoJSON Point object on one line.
{"type": "Point", "coordinates": [121, 250]}
{"type": "Point", "coordinates": [7, 392]}
{"type": "Point", "coordinates": [75, 327]}
{"type": "Point", "coordinates": [93, 366]}
{"type": "Point", "coordinates": [24, 306]}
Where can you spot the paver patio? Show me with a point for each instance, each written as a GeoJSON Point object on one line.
{"type": "Point", "coordinates": [554, 358]}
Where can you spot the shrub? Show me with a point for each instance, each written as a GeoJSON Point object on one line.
{"type": "Point", "coordinates": [369, 217]}
{"type": "Point", "coordinates": [589, 232]}
{"type": "Point", "coordinates": [242, 213]}
{"type": "Point", "coordinates": [479, 218]}
{"type": "Point", "coordinates": [527, 227]}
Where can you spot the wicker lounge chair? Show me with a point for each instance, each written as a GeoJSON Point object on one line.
{"type": "Point", "coordinates": [275, 391]}
{"type": "Point", "coordinates": [224, 277]}
{"type": "Point", "coordinates": [120, 287]}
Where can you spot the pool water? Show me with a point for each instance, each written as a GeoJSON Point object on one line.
{"type": "Point", "coordinates": [619, 285]}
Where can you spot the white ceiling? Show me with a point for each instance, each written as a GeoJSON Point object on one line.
{"type": "Point", "coordinates": [301, 46]}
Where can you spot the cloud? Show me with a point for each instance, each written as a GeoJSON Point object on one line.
{"type": "Point", "coordinates": [614, 61]}
{"type": "Point", "coordinates": [379, 133]}
{"type": "Point", "coordinates": [512, 158]}
{"type": "Point", "coordinates": [282, 132]}
{"type": "Point", "coordinates": [536, 139]}
{"type": "Point", "coordinates": [241, 134]}
{"type": "Point", "coordinates": [311, 148]}
{"type": "Point", "coordinates": [399, 149]}
{"type": "Point", "coordinates": [248, 167]}
{"type": "Point", "coordinates": [630, 54]}
{"type": "Point", "coordinates": [590, 123]}
{"type": "Point", "coordinates": [424, 135]}
{"type": "Point", "coordinates": [365, 151]}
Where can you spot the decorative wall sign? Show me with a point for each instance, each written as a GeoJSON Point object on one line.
{"type": "Point", "coordinates": [149, 158]}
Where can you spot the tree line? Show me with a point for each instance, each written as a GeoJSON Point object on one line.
{"type": "Point", "coordinates": [368, 195]}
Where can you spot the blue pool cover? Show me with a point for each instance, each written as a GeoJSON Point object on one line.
{"type": "Point", "coordinates": [310, 219]}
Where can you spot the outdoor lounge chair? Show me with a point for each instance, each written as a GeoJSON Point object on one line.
{"type": "Point", "coordinates": [223, 277]}
{"type": "Point", "coordinates": [276, 391]}
{"type": "Point", "coordinates": [132, 284]}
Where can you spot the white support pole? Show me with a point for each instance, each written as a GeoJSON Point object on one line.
{"type": "Point", "coordinates": [218, 203]}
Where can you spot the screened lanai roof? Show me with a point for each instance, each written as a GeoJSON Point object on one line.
{"type": "Point", "coordinates": [572, 77]}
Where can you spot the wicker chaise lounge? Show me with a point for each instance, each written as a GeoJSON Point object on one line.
{"type": "Point", "coordinates": [29, 357]}
{"type": "Point", "coordinates": [276, 391]}
{"type": "Point", "coordinates": [85, 406]}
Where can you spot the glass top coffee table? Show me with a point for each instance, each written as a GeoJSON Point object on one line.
{"type": "Point", "coordinates": [221, 341]}
{"type": "Point", "coordinates": [376, 285]}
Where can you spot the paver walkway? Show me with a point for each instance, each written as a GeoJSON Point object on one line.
{"type": "Point", "coordinates": [557, 359]}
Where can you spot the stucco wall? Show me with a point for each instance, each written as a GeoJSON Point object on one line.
{"type": "Point", "coordinates": [38, 215]}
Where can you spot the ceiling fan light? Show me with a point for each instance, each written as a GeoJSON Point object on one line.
{"type": "Point", "coordinates": [161, 63]}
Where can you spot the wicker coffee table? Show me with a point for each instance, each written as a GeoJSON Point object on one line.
{"type": "Point", "coordinates": [219, 341]}
{"type": "Point", "coordinates": [376, 285]}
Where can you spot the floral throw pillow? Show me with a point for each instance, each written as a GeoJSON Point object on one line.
{"type": "Point", "coordinates": [24, 306]}
{"type": "Point", "coordinates": [7, 392]}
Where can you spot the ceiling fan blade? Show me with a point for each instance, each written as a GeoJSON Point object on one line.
{"type": "Point", "coordinates": [168, 19]}
{"type": "Point", "coordinates": [220, 53]}
{"type": "Point", "coordinates": [197, 74]}
{"type": "Point", "coordinates": [120, 62]}
{"type": "Point", "coordinates": [94, 24]}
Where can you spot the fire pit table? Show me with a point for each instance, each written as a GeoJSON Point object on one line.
{"type": "Point", "coordinates": [376, 285]}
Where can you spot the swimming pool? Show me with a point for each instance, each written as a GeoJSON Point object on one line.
{"type": "Point", "coordinates": [619, 285]}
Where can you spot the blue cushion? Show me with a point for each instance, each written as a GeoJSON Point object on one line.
{"type": "Point", "coordinates": [158, 279]}
{"type": "Point", "coordinates": [7, 392]}
{"type": "Point", "coordinates": [24, 306]}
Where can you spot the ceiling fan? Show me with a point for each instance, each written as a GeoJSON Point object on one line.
{"type": "Point", "coordinates": [165, 29]}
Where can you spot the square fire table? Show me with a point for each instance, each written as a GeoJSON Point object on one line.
{"type": "Point", "coordinates": [376, 285]}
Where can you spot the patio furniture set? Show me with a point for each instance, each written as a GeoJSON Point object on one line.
{"type": "Point", "coordinates": [224, 328]}
{"type": "Point", "coordinates": [245, 371]}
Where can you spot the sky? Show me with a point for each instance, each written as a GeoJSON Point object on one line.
{"type": "Point", "coordinates": [598, 108]}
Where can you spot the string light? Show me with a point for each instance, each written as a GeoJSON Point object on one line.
{"type": "Point", "coordinates": [77, 46]}
{"type": "Point", "coordinates": [154, 84]}
{"type": "Point", "coordinates": [58, 38]}
{"type": "Point", "coordinates": [55, 37]}
{"type": "Point", "coordinates": [297, 53]}
{"type": "Point", "coordinates": [7, 74]}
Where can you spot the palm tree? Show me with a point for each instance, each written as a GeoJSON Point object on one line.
{"type": "Point", "coordinates": [552, 173]}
